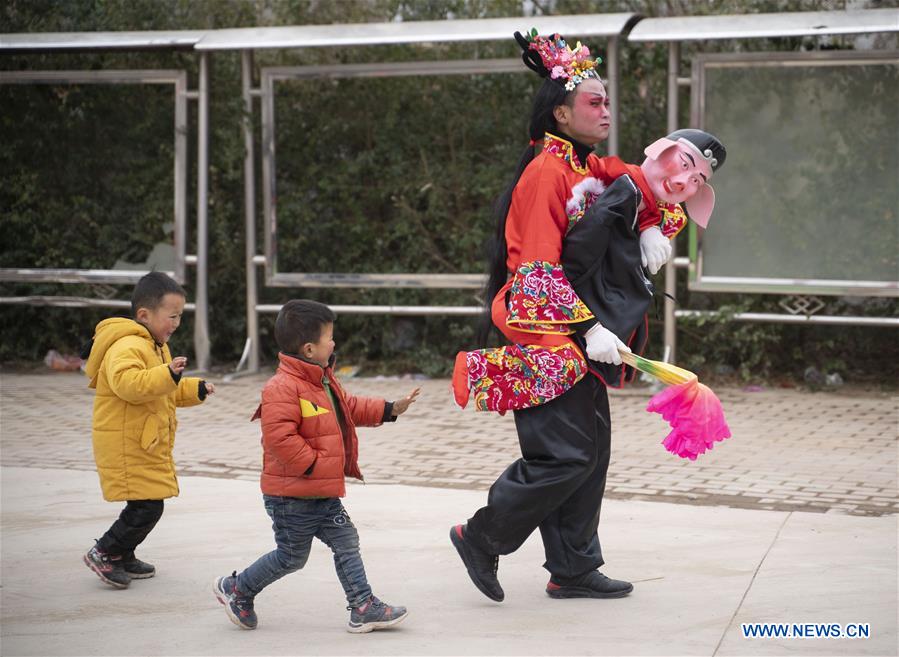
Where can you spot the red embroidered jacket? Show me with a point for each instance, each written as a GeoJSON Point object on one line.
{"type": "Point", "coordinates": [550, 197]}
{"type": "Point", "coordinates": [537, 307]}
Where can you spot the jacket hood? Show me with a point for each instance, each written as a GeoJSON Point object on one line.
{"type": "Point", "coordinates": [106, 333]}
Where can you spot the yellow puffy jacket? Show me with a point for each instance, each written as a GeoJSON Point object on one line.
{"type": "Point", "coordinates": [134, 411]}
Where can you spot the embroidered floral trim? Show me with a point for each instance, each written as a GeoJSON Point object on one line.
{"type": "Point", "coordinates": [582, 196]}
{"type": "Point", "coordinates": [674, 219]}
{"type": "Point", "coordinates": [521, 376]}
{"type": "Point", "coordinates": [564, 150]}
{"type": "Point", "coordinates": [543, 301]}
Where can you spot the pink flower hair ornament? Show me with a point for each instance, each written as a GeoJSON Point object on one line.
{"type": "Point", "coordinates": [553, 58]}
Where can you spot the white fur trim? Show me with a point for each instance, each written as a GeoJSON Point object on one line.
{"type": "Point", "coordinates": [580, 191]}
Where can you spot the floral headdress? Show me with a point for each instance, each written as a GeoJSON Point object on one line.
{"type": "Point", "coordinates": [552, 57]}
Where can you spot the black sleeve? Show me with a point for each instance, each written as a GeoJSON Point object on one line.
{"type": "Point", "coordinates": [202, 391]}
{"type": "Point", "coordinates": [581, 328]}
{"type": "Point", "coordinates": [388, 413]}
{"type": "Point", "coordinates": [586, 243]}
{"type": "Point", "coordinates": [175, 377]}
{"type": "Point", "coordinates": [601, 259]}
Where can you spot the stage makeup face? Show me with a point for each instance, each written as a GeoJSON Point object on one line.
{"type": "Point", "coordinates": [587, 119]}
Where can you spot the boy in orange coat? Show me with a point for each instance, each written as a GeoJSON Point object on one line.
{"type": "Point", "coordinates": [310, 445]}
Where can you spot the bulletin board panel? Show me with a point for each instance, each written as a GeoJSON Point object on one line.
{"type": "Point", "coordinates": [808, 200]}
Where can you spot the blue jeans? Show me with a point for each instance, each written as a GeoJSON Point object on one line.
{"type": "Point", "coordinates": [296, 522]}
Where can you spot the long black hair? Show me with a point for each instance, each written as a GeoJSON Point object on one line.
{"type": "Point", "coordinates": [550, 95]}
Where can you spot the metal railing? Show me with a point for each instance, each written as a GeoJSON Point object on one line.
{"type": "Point", "coordinates": [177, 78]}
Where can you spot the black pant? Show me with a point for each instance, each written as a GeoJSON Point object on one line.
{"type": "Point", "coordinates": [557, 485]}
{"type": "Point", "coordinates": [137, 519]}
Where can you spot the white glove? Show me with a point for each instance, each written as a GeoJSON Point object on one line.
{"type": "Point", "coordinates": [655, 249]}
{"type": "Point", "coordinates": [603, 345]}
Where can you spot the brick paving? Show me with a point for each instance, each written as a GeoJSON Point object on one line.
{"type": "Point", "coordinates": [792, 450]}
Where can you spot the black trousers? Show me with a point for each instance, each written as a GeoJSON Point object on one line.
{"type": "Point", "coordinates": [557, 485]}
{"type": "Point", "coordinates": [136, 521]}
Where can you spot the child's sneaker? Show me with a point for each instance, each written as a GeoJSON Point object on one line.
{"type": "Point", "coordinates": [108, 567]}
{"type": "Point", "coordinates": [137, 569]}
{"type": "Point", "coordinates": [238, 607]}
{"type": "Point", "coordinates": [374, 615]}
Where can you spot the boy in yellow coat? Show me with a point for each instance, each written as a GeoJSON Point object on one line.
{"type": "Point", "coordinates": [138, 386]}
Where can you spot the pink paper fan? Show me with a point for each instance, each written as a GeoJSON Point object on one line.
{"type": "Point", "coordinates": [695, 415]}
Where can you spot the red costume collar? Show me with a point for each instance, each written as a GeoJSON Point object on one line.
{"type": "Point", "coordinates": [566, 150]}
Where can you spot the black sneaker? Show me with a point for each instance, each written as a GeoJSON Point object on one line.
{"type": "Point", "coordinates": [481, 566]}
{"type": "Point", "coordinates": [374, 615]}
{"type": "Point", "coordinates": [137, 569]}
{"type": "Point", "coordinates": [108, 567]}
{"type": "Point", "coordinates": [238, 607]}
{"type": "Point", "coordinates": [590, 585]}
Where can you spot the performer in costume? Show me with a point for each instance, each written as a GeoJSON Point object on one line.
{"type": "Point", "coordinates": [562, 416]}
{"type": "Point", "coordinates": [676, 170]}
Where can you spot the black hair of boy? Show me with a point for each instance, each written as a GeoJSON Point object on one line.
{"type": "Point", "coordinates": [151, 289]}
{"type": "Point", "coordinates": [301, 321]}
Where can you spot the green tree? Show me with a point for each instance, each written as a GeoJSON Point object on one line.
{"type": "Point", "coordinates": [373, 175]}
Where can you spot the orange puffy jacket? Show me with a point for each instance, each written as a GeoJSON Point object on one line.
{"type": "Point", "coordinates": [304, 452]}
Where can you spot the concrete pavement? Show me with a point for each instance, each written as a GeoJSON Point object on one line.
{"type": "Point", "coordinates": [791, 450]}
{"type": "Point", "coordinates": [699, 573]}
{"type": "Point", "coordinates": [791, 521]}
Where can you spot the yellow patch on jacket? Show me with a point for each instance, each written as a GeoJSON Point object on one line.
{"type": "Point", "coordinates": [308, 409]}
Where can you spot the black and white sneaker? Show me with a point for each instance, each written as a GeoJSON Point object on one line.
{"type": "Point", "coordinates": [108, 567]}
{"type": "Point", "coordinates": [137, 569]}
{"type": "Point", "coordinates": [238, 607]}
{"type": "Point", "coordinates": [374, 615]}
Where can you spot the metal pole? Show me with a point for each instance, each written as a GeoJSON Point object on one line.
{"type": "Point", "coordinates": [269, 201]}
{"type": "Point", "coordinates": [78, 302]}
{"type": "Point", "coordinates": [670, 272]}
{"type": "Point", "coordinates": [830, 320]}
{"type": "Point", "coordinates": [249, 201]}
{"type": "Point", "coordinates": [201, 319]}
{"type": "Point", "coordinates": [614, 99]}
{"type": "Point", "coordinates": [388, 310]}
{"type": "Point", "coordinates": [181, 172]}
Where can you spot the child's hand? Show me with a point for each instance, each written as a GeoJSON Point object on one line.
{"type": "Point", "coordinates": [210, 388]}
{"type": "Point", "coordinates": [178, 364]}
{"type": "Point", "coordinates": [401, 405]}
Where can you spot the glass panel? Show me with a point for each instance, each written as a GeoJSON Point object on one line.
{"type": "Point", "coordinates": [87, 176]}
{"type": "Point", "coordinates": [809, 190]}
{"type": "Point", "coordinates": [366, 168]}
